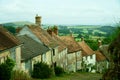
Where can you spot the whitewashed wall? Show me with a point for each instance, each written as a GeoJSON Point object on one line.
{"type": "Point", "coordinates": [71, 57]}
{"type": "Point", "coordinates": [89, 61]}
{"type": "Point", "coordinates": [79, 60]}
{"type": "Point", "coordinates": [62, 59]}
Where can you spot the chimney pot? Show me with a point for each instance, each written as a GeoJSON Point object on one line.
{"type": "Point", "coordinates": [71, 33]}
{"type": "Point", "coordinates": [82, 38]}
{"type": "Point", "coordinates": [55, 30]}
{"type": "Point", "coordinates": [99, 42]}
{"type": "Point", "coordinates": [49, 30]}
{"type": "Point", "coordinates": [38, 20]}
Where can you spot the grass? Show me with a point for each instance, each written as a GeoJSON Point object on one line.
{"type": "Point", "coordinates": [99, 31]}
{"type": "Point", "coordinates": [77, 76]}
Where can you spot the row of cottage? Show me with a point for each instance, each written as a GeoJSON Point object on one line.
{"type": "Point", "coordinates": [33, 44]}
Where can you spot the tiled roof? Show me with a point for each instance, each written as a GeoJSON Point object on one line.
{"type": "Point", "coordinates": [86, 50]}
{"type": "Point", "coordinates": [31, 48]}
{"type": "Point", "coordinates": [99, 56]}
{"type": "Point", "coordinates": [7, 40]}
{"type": "Point", "coordinates": [72, 45]}
{"type": "Point", "coordinates": [43, 36]}
{"type": "Point", "coordinates": [104, 50]}
{"type": "Point", "coordinates": [60, 42]}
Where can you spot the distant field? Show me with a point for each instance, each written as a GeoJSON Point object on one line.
{"type": "Point", "coordinates": [77, 76]}
{"type": "Point", "coordinates": [84, 27]}
{"type": "Point", "coordinates": [87, 31]}
{"type": "Point", "coordinates": [99, 31]}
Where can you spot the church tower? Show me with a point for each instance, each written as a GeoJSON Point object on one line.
{"type": "Point", "coordinates": [38, 20]}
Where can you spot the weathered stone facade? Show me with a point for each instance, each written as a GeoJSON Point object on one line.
{"type": "Point", "coordinates": [74, 61]}
{"type": "Point", "coordinates": [13, 53]}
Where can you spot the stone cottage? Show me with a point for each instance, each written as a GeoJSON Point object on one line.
{"type": "Point", "coordinates": [105, 60]}
{"type": "Point", "coordinates": [9, 47]}
{"type": "Point", "coordinates": [40, 35]}
{"type": "Point", "coordinates": [88, 56]}
{"type": "Point", "coordinates": [32, 52]}
{"type": "Point", "coordinates": [102, 62]}
{"type": "Point", "coordinates": [62, 48]}
{"type": "Point", "coordinates": [74, 56]}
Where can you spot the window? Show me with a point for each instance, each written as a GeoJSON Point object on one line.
{"type": "Point", "coordinates": [13, 53]}
{"type": "Point", "coordinates": [27, 64]}
{"type": "Point", "coordinates": [86, 57]}
{"type": "Point", "coordinates": [90, 56]}
{"type": "Point", "coordinates": [78, 53]}
{"type": "Point", "coordinates": [53, 52]}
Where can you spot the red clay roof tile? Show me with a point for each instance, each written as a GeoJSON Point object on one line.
{"type": "Point", "coordinates": [60, 42]}
{"type": "Point", "coordinates": [99, 56]}
{"type": "Point", "coordinates": [86, 50]}
{"type": "Point", "coordinates": [7, 40]}
{"type": "Point", "coordinates": [43, 36]}
{"type": "Point", "coordinates": [72, 45]}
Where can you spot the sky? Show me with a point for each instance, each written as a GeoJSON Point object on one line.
{"type": "Point", "coordinates": [82, 12]}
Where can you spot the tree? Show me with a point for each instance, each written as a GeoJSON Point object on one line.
{"type": "Point", "coordinates": [11, 29]}
{"type": "Point", "coordinates": [41, 70]}
{"type": "Point", "coordinates": [107, 40]}
{"type": "Point", "coordinates": [6, 69]}
{"type": "Point", "coordinates": [58, 71]}
{"type": "Point", "coordinates": [92, 43]}
{"type": "Point", "coordinates": [114, 49]}
{"type": "Point", "coordinates": [111, 37]}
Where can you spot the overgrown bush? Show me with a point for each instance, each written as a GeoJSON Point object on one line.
{"type": "Point", "coordinates": [59, 71]}
{"type": "Point", "coordinates": [42, 70]}
{"type": "Point", "coordinates": [6, 69]}
{"type": "Point", "coordinates": [94, 67]}
{"type": "Point", "coordinates": [20, 75]}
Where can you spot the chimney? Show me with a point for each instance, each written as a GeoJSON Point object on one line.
{"type": "Point", "coordinates": [82, 38]}
{"type": "Point", "coordinates": [49, 30]}
{"type": "Point", "coordinates": [55, 30]}
{"type": "Point", "coordinates": [99, 42]}
{"type": "Point", "coordinates": [38, 20]}
{"type": "Point", "coordinates": [71, 33]}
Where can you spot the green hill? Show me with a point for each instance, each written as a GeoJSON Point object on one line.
{"type": "Point", "coordinates": [17, 24]}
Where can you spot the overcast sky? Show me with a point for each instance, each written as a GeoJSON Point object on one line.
{"type": "Point", "coordinates": [61, 11]}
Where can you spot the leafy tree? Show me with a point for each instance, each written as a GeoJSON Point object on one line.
{"type": "Point", "coordinates": [92, 43]}
{"type": "Point", "coordinates": [41, 70]}
{"type": "Point", "coordinates": [11, 29]}
{"type": "Point", "coordinates": [112, 36]}
{"type": "Point", "coordinates": [6, 69]}
{"type": "Point", "coordinates": [107, 40]}
{"type": "Point", "coordinates": [58, 71]}
{"type": "Point", "coordinates": [114, 72]}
